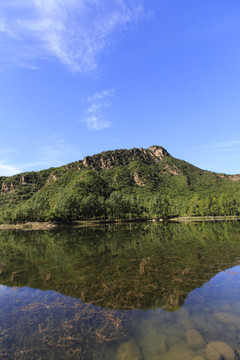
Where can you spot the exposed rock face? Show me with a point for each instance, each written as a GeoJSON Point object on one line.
{"type": "Point", "coordinates": [234, 177]}
{"type": "Point", "coordinates": [231, 177]}
{"type": "Point", "coordinates": [137, 180]}
{"type": "Point", "coordinates": [109, 159]}
{"type": "Point", "coordinates": [158, 152]}
{"type": "Point", "coordinates": [51, 178]}
{"type": "Point", "coordinates": [7, 188]}
{"type": "Point", "coordinates": [25, 179]}
{"type": "Point", "coordinates": [172, 170]}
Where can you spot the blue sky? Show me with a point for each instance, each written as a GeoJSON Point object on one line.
{"type": "Point", "coordinates": [78, 77]}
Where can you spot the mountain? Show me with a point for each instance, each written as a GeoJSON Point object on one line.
{"type": "Point", "coordinates": [135, 183]}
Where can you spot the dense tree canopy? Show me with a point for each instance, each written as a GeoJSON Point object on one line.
{"type": "Point", "coordinates": [141, 186]}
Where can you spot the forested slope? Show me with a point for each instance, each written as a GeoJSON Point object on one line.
{"type": "Point", "coordinates": [120, 184]}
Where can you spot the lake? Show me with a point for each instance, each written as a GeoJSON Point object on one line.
{"type": "Point", "coordinates": [122, 292]}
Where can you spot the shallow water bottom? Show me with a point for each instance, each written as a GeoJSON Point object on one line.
{"type": "Point", "coordinates": [146, 293]}
{"type": "Point", "coordinates": [47, 325]}
{"type": "Point", "coordinates": [206, 327]}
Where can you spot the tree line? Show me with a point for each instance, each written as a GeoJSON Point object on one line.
{"type": "Point", "coordinates": [121, 206]}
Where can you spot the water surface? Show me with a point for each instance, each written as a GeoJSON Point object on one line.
{"type": "Point", "coordinates": [148, 291]}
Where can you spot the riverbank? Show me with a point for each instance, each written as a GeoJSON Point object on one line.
{"type": "Point", "coordinates": [92, 223]}
{"type": "Point", "coordinates": [204, 218]}
{"type": "Point", "coordinates": [49, 225]}
{"type": "Point", "coordinates": [29, 226]}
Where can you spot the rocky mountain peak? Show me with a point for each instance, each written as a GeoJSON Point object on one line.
{"type": "Point", "coordinates": [158, 151]}
{"type": "Point", "coordinates": [110, 159]}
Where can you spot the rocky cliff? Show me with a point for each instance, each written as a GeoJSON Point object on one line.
{"type": "Point", "coordinates": [110, 159]}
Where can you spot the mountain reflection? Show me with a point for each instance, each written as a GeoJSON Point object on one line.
{"type": "Point", "coordinates": [137, 266]}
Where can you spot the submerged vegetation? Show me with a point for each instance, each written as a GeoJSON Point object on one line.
{"type": "Point", "coordinates": [120, 184]}
{"type": "Point", "coordinates": [125, 267]}
{"type": "Point", "coordinates": [174, 272]}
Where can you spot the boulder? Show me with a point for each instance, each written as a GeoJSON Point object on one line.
{"type": "Point", "coordinates": [179, 352]}
{"type": "Point", "coordinates": [186, 324]}
{"type": "Point", "coordinates": [227, 318]}
{"type": "Point", "coordinates": [216, 350]}
{"type": "Point", "coordinates": [128, 351]}
{"type": "Point", "coordinates": [195, 340]}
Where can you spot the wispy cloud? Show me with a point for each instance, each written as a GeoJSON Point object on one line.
{"type": "Point", "coordinates": [51, 152]}
{"type": "Point", "coordinates": [95, 114]}
{"type": "Point", "coordinates": [27, 65]}
{"type": "Point", "coordinates": [220, 156]}
{"type": "Point", "coordinates": [6, 169]}
{"type": "Point", "coordinates": [56, 150]}
{"type": "Point", "coordinates": [74, 31]}
{"type": "Point", "coordinates": [7, 166]}
{"type": "Point", "coordinates": [228, 145]}
{"type": "Point", "coordinates": [6, 151]}
{"type": "Point", "coordinates": [231, 145]}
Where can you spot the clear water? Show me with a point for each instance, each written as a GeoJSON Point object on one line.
{"type": "Point", "coordinates": [146, 292]}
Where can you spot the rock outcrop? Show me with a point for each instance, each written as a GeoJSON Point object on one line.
{"type": "Point", "coordinates": [7, 188]}
{"type": "Point", "coordinates": [110, 159]}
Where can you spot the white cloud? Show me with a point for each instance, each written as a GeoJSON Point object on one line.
{"type": "Point", "coordinates": [74, 31]}
{"type": "Point", "coordinates": [8, 170]}
{"type": "Point", "coordinates": [95, 117]}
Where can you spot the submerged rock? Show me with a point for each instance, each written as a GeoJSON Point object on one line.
{"type": "Point", "coordinates": [154, 345]}
{"type": "Point", "coordinates": [179, 352]}
{"type": "Point", "coordinates": [194, 339]}
{"type": "Point", "coordinates": [186, 324]}
{"type": "Point", "coordinates": [128, 351]}
{"type": "Point", "coordinates": [227, 318]}
{"type": "Point", "coordinates": [163, 344]}
{"type": "Point", "coordinates": [216, 350]}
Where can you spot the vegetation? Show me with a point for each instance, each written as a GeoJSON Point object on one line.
{"type": "Point", "coordinates": [116, 185]}
{"type": "Point", "coordinates": [138, 266]}
{"type": "Point", "coordinates": [114, 268]}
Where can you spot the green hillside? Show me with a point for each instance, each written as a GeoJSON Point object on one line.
{"type": "Point", "coordinates": [120, 184]}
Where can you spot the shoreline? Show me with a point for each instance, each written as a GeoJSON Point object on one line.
{"type": "Point", "coordinates": [204, 218]}
{"type": "Point", "coordinates": [29, 226]}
